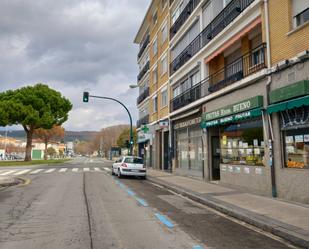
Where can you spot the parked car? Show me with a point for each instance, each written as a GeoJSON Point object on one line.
{"type": "Point", "coordinates": [129, 166]}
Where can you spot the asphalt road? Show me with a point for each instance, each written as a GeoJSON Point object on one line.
{"type": "Point", "coordinates": [88, 208]}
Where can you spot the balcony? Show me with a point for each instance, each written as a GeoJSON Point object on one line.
{"type": "Point", "coordinates": [222, 20]}
{"type": "Point", "coordinates": [244, 66]}
{"type": "Point", "coordinates": [143, 71]}
{"type": "Point", "coordinates": [184, 15]}
{"type": "Point", "coordinates": [144, 46]}
{"type": "Point", "coordinates": [143, 96]}
{"type": "Point", "coordinates": [142, 121]}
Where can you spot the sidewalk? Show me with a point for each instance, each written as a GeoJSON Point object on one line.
{"type": "Point", "coordinates": [284, 219]}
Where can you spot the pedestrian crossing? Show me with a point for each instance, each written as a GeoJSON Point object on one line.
{"type": "Point", "coordinates": [19, 172]}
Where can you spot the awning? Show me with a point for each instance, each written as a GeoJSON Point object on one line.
{"type": "Point", "coordinates": [286, 105]}
{"type": "Point", "coordinates": [234, 118]}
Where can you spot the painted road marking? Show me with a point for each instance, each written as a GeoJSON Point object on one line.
{"type": "Point", "coordinates": [107, 169]}
{"type": "Point", "coordinates": [63, 170]}
{"type": "Point", "coordinates": [198, 247]}
{"type": "Point", "coordinates": [130, 192]}
{"type": "Point", "coordinates": [142, 202]}
{"type": "Point", "coordinates": [86, 169]}
{"type": "Point", "coordinates": [97, 169]}
{"type": "Point", "coordinates": [75, 170]}
{"type": "Point", "coordinates": [49, 170]}
{"type": "Point", "coordinates": [164, 220]}
{"type": "Point", "coordinates": [22, 172]}
{"type": "Point", "coordinates": [36, 171]}
{"type": "Point", "coordinates": [8, 173]}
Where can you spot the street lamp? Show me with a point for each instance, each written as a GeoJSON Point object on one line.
{"type": "Point", "coordinates": [133, 86]}
{"type": "Point", "coordinates": [116, 100]}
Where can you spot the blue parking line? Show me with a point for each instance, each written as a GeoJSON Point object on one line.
{"type": "Point", "coordinates": [164, 220]}
{"type": "Point", "coordinates": [197, 247]}
{"type": "Point", "coordinates": [130, 192]}
{"type": "Point", "coordinates": [142, 202]}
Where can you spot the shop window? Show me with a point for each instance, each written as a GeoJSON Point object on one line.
{"type": "Point", "coordinates": [295, 133]}
{"type": "Point", "coordinates": [242, 143]}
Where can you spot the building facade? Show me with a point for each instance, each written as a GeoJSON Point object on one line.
{"type": "Point", "coordinates": [153, 104]}
{"type": "Point", "coordinates": [238, 94]}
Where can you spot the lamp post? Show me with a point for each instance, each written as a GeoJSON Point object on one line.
{"type": "Point", "coordinates": [86, 99]}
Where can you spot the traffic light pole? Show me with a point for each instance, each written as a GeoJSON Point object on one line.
{"type": "Point", "coordinates": [130, 117]}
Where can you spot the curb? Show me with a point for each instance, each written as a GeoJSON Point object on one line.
{"type": "Point", "coordinates": [15, 181]}
{"type": "Point", "coordinates": [285, 233]}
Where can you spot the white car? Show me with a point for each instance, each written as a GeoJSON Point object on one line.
{"type": "Point", "coordinates": [129, 166]}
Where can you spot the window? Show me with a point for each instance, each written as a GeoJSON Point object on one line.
{"type": "Point", "coordinates": [302, 17]}
{"type": "Point", "coordinates": [164, 33]}
{"type": "Point", "coordinates": [164, 65]}
{"type": "Point", "coordinates": [155, 47]}
{"type": "Point", "coordinates": [134, 160]}
{"type": "Point", "coordinates": [295, 134]}
{"type": "Point", "coordinates": [177, 12]}
{"type": "Point", "coordinates": [300, 12]}
{"type": "Point", "coordinates": [176, 91]}
{"type": "Point", "coordinates": [154, 18]}
{"type": "Point", "coordinates": [163, 4]}
{"type": "Point", "coordinates": [242, 143]}
{"type": "Point", "coordinates": [164, 98]}
{"type": "Point", "coordinates": [185, 40]}
{"type": "Point", "coordinates": [155, 104]}
{"type": "Point", "coordinates": [155, 75]}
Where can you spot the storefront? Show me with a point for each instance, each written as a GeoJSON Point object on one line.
{"type": "Point", "coordinates": [291, 104]}
{"type": "Point", "coordinates": [144, 139]}
{"type": "Point", "coordinates": [236, 146]}
{"type": "Point", "coordinates": [289, 112]}
{"type": "Point", "coordinates": [188, 145]}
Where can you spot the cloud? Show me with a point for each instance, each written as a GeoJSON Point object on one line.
{"type": "Point", "coordinates": [74, 45]}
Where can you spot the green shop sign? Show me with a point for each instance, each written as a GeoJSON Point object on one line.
{"type": "Point", "coordinates": [229, 110]}
{"type": "Point", "coordinates": [298, 89]}
{"type": "Point", "coordinates": [234, 118]}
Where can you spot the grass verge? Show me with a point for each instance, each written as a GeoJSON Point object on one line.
{"type": "Point", "coordinates": [34, 162]}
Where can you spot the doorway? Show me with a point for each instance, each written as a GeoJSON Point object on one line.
{"type": "Point", "coordinates": [165, 151]}
{"type": "Point", "coordinates": [215, 158]}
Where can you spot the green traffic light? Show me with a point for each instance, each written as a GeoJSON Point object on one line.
{"type": "Point", "coordinates": [86, 97]}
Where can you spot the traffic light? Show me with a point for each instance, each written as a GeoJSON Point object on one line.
{"type": "Point", "coordinates": [86, 97]}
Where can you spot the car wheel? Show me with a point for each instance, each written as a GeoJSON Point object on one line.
{"type": "Point", "coordinates": [113, 173]}
{"type": "Point", "coordinates": [119, 174]}
{"type": "Point", "coordinates": [144, 177]}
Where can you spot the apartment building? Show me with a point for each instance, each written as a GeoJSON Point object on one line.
{"type": "Point", "coordinates": [153, 80]}
{"type": "Point", "coordinates": [238, 94]}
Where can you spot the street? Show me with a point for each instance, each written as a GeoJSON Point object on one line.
{"type": "Point", "coordinates": [80, 205]}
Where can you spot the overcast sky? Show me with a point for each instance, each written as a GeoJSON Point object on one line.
{"type": "Point", "coordinates": [74, 45]}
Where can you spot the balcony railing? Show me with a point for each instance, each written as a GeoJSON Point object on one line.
{"type": "Point", "coordinates": [144, 46]}
{"type": "Point", "coordinates": [223, 19]}
{"type": "Point", "coordinates": [143, 96]}
{"type": "Point", "coordinates": [184, 15]}
{"type": "Point", "coordinates": [244, 66]}
{"type": "Point", "coordinates": [143, 71]}
{"type": "Point", "coordinates": [142, 121]}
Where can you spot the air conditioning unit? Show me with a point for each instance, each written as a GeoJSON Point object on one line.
{"type": "Point", "coordinates": [303, 55]}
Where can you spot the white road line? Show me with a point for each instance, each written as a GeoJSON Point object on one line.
{"type": "Point", "coordinates": [36, 171]}
{"type": "Point", "coordinates": [22, 172]}
{"type": "Point", "coordinates": [7, 173]}
{"type": "Point", "coordinates": [86, 169]}
{"type": "Point", "coordinates": [49, 170]}
{"type": "Point", "coordinates": [75, 170]}
{"type": "Point", "coordinates": [63, 170]}
{"type": "Point", "coordinates": [97, 169]}
{"type": "Point", "coordinates": [107, 169]}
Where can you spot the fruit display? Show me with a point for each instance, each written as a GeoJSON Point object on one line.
{"type": "Point", "coordinates": [294, 164]}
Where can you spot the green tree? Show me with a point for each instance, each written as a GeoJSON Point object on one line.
{"type": "Point", "coordinates": [125, 135]}
{"type": "Point", "coordinates": [33, 107]}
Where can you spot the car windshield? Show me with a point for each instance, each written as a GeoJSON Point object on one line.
{"type": "Point", "coordinates": [135, 160]}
